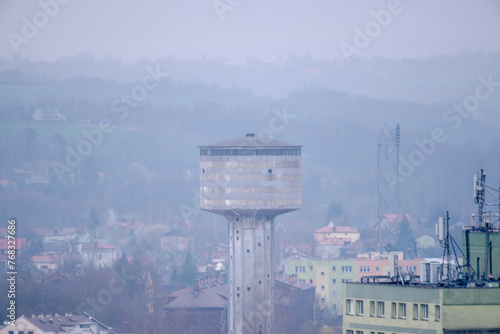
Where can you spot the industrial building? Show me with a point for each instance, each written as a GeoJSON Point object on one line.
{"type": "Point", "coordinates": [447, 297]}
{"type": "Point", "coordinates": [250, 180]}
{"type": "Point", "coordinates": [421, 309]}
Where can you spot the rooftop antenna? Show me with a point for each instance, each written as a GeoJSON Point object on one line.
{"type": "Point", "coordinates": [448, 243]}
{"type": "Point", "coordinates": [484, 218]}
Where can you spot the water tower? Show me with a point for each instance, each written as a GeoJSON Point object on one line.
{"type": "Point", "coordinates": [250, 181]}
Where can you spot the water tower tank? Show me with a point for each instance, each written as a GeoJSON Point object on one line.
{"type": "Point", "coordinates": [250, 173]}
{"type": "Point", "coordinates": [250, 180]}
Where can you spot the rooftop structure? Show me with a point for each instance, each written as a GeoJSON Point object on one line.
{"type": "Point", "coordinates": [57, 323]}
{"type": "Point", "coordinates": [420, 308]}
{"type": "Point", "coordinates": [250, 181]}
{"type": "Point", "coordinates": [203, 308]}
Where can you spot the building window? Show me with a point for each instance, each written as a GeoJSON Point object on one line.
{"type": "Point", "coordinates": [333, 268]}
{"type": "Point", "coordinates": [359, 307]}
{"type": "Point", "coordinates": [438, 313]}
{"type": "Point", "coordinates": [346, 269]}
{"type": "Point", "coordinates": [377, 268]}
{"type": "Point", "coordinates": [349, 331]}
{"type": "Point", "coordinates": [322, 287]}
{"type": "Point", "coordinates": [424, 311]}
{"type": "Point", "coordinates": [415, 311]}
{"type": "Point", "coordinates": [311, 281]}
{"type": "Point", "coordinates": [393, 310]}
{"type": "Point", "coordinates": [402, 310]}
{"type": "Point", "coordinates": [364, 269]}
{"type": "Point", "coordinates": [372, 308]}
{"type": "Point", "coordinates": [349, 307]}
{"type": "Point", "coordinates": [322, 300]}
{"type": "Point", "coordinates": [334, 281]}
{"type": "Point", "coordinates": [300, 269]}
{"type": "Point", "coordinates": [311, 268]}
{"type": "Point", "coordinates": [322, 273]}
{"type": "Point", "coordinates": [381, 309]}
{"type": "Point", "coordinates": [359, 332]}
{"type": "Point", "coordinates": [334, 294]}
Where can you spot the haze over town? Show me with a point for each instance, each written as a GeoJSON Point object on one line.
{"type": "Point", "coordinates": [103, 108]}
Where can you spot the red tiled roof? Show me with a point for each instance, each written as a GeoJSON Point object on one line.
{"type": "Point", "coordinates": [45, 258]}
{"type": "Point", "coordinates": [98, 245]}
{"type": "Point", "coordinates": [20, 243]}
{"type": "Point", "coordinates": [336, 229]}
{"type": "Point", "coordinates": [6, 183]}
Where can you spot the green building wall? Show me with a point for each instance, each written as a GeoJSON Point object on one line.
{"type": "Point", "coordinates": [483, 249]}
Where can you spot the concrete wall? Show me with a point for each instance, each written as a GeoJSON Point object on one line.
{"type": "Point", "coordinates": [453, 309]}
{"type": "Point", "coordinates": [250, 182]}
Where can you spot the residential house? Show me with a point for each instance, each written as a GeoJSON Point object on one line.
{"type": "Point", "coordinates": [293, 304]}
{"type": "Point", "coordinates": [46, 262]}
{"type": "Point", "coordinates": [99, 254]}
{"type": "Point", "coordinates": [199, 309]}
{"type": "Point", "coordinates": [426, 239]}
{"type": "Point", "coordinates": [344, 233]}
{"type": "Point", "coordinates": [36, 179]}
{"type": "Point", "coordinates": [326, 276]}
{"type": "Point", "coordinates": [329, 249]}
{"type": "Point", "coordinates": [56, 324]}
{"type": "Point", "coordinates": [203, 308]}
{"type": "Point", "coordinates": [7, 184]}
{"type": "Point", "coordinates": [381, 266]}
{"type": "Point", "coordinates": [20, 246]}
{"type": "Point", "coordinates": [177, 241]}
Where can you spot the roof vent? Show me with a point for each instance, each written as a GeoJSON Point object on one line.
{"type": "Point", "coordinates": [250, 135]}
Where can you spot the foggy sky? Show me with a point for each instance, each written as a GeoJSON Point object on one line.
{"type": "Point", "coordinates": [130, 30]}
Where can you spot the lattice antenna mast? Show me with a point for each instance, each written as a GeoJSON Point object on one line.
{"type": "Point", "coordinates": [387, 176]}
{"type": "Point", "coordinates": [398, 140]}
{"type": "Point", "coordinates": [448, 243]}
{"type": "Point", "coordinates": [484, 218]}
